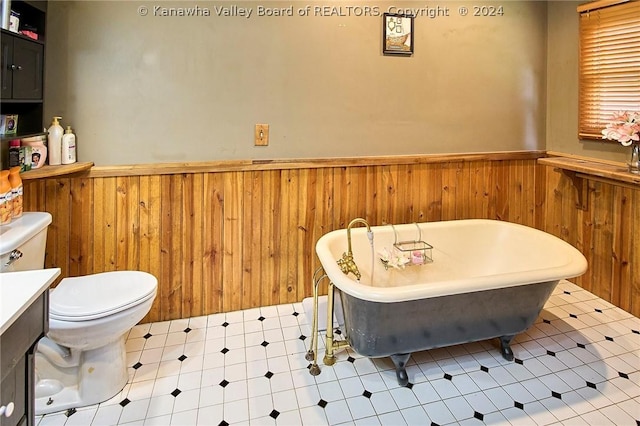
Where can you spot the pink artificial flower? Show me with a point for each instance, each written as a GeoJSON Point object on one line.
{"type": "Point", "coordinates": [624, 127]}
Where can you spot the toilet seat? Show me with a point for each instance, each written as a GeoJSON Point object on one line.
{"type": "Point", "coordinates": [96, 296]}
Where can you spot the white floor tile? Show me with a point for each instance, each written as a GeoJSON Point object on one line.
{"type": "Point", "coordinates": [134, 411]}
{"type": "Point", "coordinates": [392, 418]}
{"type": "Point", "coordinates": [337, 412]}
{"type": "Point", "coordinates": [383, 402]}
{"type": "Point", "coordinates": [404, 397]}
{"type": "Point", "coordinates": [439, 413]}
{"type": "Point", "coordinates": [260, 406]}
{"type": "Point", "coordinates": [360, 407]}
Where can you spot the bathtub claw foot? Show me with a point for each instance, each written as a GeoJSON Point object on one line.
{"type": "Point", "coordinates": [505, 347]}
{"type": "Point", "coordinates": [400, 361]}
{"type": "Point", "coordinates": [314, 370]}
{"type": "Point", "coordinates": [309, 356]}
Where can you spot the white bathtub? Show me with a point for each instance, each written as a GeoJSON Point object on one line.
{"type": "Point", "coordinates": [488, 279]}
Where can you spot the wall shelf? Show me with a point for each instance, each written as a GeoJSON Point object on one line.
{"type": "Point", "coordinates": [581, 170]}
{"type": "Point", "coordinates": [53, 171]}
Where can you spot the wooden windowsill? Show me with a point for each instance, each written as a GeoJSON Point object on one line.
{"type": "Point", "coordinates": [613, 173]}
{"type": "Point", "coordinates": [581, 170]}
{"type": "Point", "coordinates": [53, 171]}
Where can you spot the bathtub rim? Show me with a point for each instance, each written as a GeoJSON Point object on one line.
{"type": "Point", "coordinates": [575, 266]}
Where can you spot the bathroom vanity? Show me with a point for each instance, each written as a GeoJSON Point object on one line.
{"type": "Point", "coordinates": [24, 316]}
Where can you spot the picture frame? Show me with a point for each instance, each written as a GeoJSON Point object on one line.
{"type": "Point", "coordinates": [397, 34]}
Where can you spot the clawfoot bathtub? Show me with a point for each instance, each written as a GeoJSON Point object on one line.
{"type": "Point", "coordinates": [488, 279]}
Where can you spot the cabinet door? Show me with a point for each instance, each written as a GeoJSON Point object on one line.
{"type": "Point", "coordinates": [13, 389]}
{"type": "Point", "coordinates": [28, 58]}
{"type": "Point", "coordinates": [6, 58]}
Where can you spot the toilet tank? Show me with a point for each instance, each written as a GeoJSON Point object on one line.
{"type": "Point", "coordinates": [24, 240]}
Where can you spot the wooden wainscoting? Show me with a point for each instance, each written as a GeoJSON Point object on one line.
{"type": "Point", "coordinates": [225, 237]}
{"type": "Point", "coordinates": [230, 235]}
{"type": "Point", "coordinates": [606, 231]}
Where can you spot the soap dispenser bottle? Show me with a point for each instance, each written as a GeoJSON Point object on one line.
{"type": "Point", "coordinates": [68, 147]}
{"type": "Point", "coordinates": [55, 142]}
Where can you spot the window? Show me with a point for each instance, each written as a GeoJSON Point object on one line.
{"type": "Point", "coordinates": [609, 67]}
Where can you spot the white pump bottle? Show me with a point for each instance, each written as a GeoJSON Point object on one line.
{"type": "Point", "coordinates": [68, 147]}
{"type": "Point", "coordinates": [55, 142]}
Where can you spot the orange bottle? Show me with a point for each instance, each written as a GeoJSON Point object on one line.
{"type": "Point", "coordinates": [17, 192]}
{"type": "Point", "coordinates": [5, 198]}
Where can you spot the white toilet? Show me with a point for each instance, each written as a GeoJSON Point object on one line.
{"type": "Point", "coordinates": [82, 360]}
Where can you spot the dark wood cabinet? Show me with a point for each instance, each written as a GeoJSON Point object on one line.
{"type": "Point", "coordinates": [22, 73]}
{"type": "Point", "coordinates": [22, 68]}
{"type": "Point", "coordinates": [17, 363]}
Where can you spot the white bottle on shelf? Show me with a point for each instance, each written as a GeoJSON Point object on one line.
{"type": "Point", "coordinates": [55, 142]}
{"type": "Point", "coordinates": [68, 147]}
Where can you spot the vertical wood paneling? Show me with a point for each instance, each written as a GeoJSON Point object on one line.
{"type": "Point", "coordinates": [222, 241]}
{"type": "Point", "coordinates": [270, 237]}
{"type": "Point", "coordinates": [213, 247]}
{"type": "Point", "coordinates": [633, 305]}
{"type": "Point", "coordinates": [150, 242]}
{"type": "Point", "coordinates": [251, 260]}
{"type": "Point", "coordinates": [232, 242]}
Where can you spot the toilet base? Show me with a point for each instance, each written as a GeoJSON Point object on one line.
{"type": "Point", "coordinates": [100, 375]}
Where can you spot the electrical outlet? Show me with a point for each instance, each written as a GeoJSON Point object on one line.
{"type": "Point", "coordinates": [262, 134]}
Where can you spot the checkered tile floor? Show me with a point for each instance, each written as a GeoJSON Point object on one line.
{"type": "Point", "coordinates": [579, 364]}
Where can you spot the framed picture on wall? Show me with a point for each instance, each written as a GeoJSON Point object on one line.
{"type": "Point", "coordinates": [397, 34]}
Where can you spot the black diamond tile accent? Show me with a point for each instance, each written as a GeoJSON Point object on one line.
{"type": "Point", "coordinates": [295, 314]}
{"type": "Point", "coordinates": [176, 392]}
{"type": "Point", "coordinates": [137, 365]}
{"type": "Point", "coordinates": [567, 292]}
{"type": "Point", "coordinates": [598, 310]}
{"type": "Point", "coordinates": [409, 385]}
{"type": "Point", "coordinates": [70, 412]}
{"type": "Point", "coordinates": [146, 336]}
{"type": "Point", "coordinates": [573, 315]}
{"type": "Point", "coordinates": [635, 331]}
{"type": "Point", "coordinates": [552, 353]}
{"type": "Point", "coordinates": [478, 416]}
{"type": "Point", "coordinates": [224, 383]}
{"type": "Point", "coordinates": [448, 376]}
{"type": "Point", "coordinates": [124, 402]}
{"type": "Point", "coordinates": [223, 423]}
{"type": "Point", "coordinates": [519, 405]}
{"type": "Point", "coordinates": [182, 357]}
{"type": "Point", "coordinates": [186, 330]}
{"type": "Point", "coordinates": [623, 375]}
{"type": "Point", "coordinates": [322, 403]}
{"type": "Point", "coordinates": [351, 359]}
{"type": "Point", "coordinates": [546, 321]}
{"type": "Point", "coordinates": [302, 337]}
{"type": "Point", "coordinates": [261, 318]}
{"type": "Point", "coordinates": [225, 324]}
{"type": "Point", "coordinates": [580, 345]}
{"type": "Point", "coordinates": [366, 394]}
{"type": "Point", "coordinates": [265, 343]}
{"type": "Point", "coordinates": [556, 394]}
{"type": "Point", "coordinates": [434, 424]}
{"type": "Point", "coordinates": [609, 338]}
{"type": "Point", "coordinates": [274, 414]}
{"type": "Point", "coordinates": [224, 350]}
{"type": "Point", "coordinates": [518, 361]}
{"type": "Point", "coordinates": [483, 368]}
{"type": "Point", "coordinates": [591, 385]}
{"type": "Point", "coordinates": [268, 374]}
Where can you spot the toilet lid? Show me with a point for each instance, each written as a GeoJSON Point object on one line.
{"type": "Point", "coordinates": [98, 295]}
